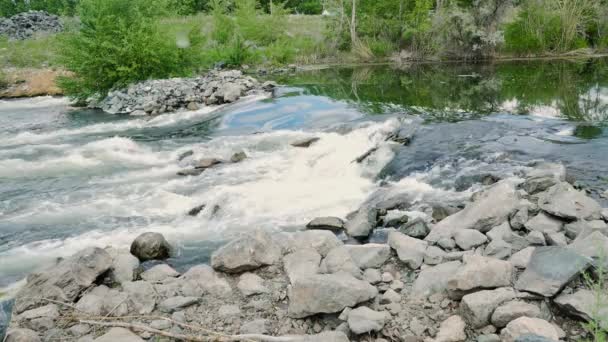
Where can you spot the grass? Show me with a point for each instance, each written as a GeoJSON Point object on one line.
{"type": "Point", "coordinates": [39, 52]}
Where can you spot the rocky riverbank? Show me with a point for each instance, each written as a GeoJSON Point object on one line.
{"type": "Point", "coordinates": [27, 24]}
{"type": "Point", "coordinates": [506, 266]}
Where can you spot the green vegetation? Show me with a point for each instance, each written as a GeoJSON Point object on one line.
{"type": "Point", "coordinates": [60, 7]}
{"type": "Point", "coordinates": [32, 53]}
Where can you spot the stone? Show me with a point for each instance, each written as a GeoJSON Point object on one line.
{"type": "Point", "coordinates": [190, 172]}
{"type": "Point", "coordinates": [434, 279]}
{"type": "Point", "coordinates": [305, 142]}
{"type": "Point", "coordinates": [119, 335]}
{"type": "Point", "coordinates": [477, 308]}
{"type": "Point", "coordinates": [433, 255]}
{"type": "Point", "coordinates": [562, 200]}
{"type": "Point", "coordinates": [328, 222]}
{"type": "Point", "coordinates": [202, 280]}
{"type": "Point", "coordinates": [488, 338]}
{"type": "Point", "coordinates": [369, 255]}
{"type": "Point", "coordinates": [364, 320]}
{"type": "Point", "coordinates": [513, 310]}
{"type": "Point", "coordinates": [536, 238]}
{"type": "Point", "coordinates": [535, 185]}
{"type": "Point", "coordinates": [327, 336]}
{"type": "Point", "coordinates": [372, 276]}
{"type": "Point", "coordinates": [583, 304]}
{"type": "Point", "coordinates": [124, 265]}
{"type": "Point", "coordinates": [6, 313]}
{"type": "Point", "coordinates": [229, 92]}
{"type": "Point", "coordinates": [258, 326]}
{"type": "Point", "coordinates": [301, 263]}
{"type": "Point", "coordinates": [250, 284]}
{"type": "Point", "coordinates": [417, 327]}
{"type": "Point", "coordinates": [451, 330]}
{"type": "Point", "coordinates": [518, 219]}
{"type": "Point", "coordinates": [390, 296]}
{"type": "Point", "coordinates": [327, 293]}
{"type": "Point", "coordinates": [440, 212]}
{"type": "Point", "coordinates": [238, 157]}
{"type": "Point", "coordinates": [159, 273]}
{"type": "Point", "coordinates": [246, 253]}
{"type": "Point", "coordinates": [22, 335]}
{"type": "Point", "coordinates": [206, 163]}
{"type": "Point", "coordinates": [50, 311]}
{"type": "Point", "coordinates": [93, 301]}
{"type": "Point", "coordinates": [64, 281]}
{"type": "Point", "coordinates": [395, 218]}
{"type": "Point", "coordinates": [499, 232]}
{"type": "Point", "coordinates": [416, 228]}
{"type": "Point", "coordinates": [160, 324]}
{"type": "Point", "coordinates": [594, 246]}
{"type": "Point", "coordinates": [141, 296]}
{"type": "Point", "coordinates": [527, 325]}
{"type": "Point", "coordinates": [498, 249]}
{"type": "Point", "coordinates": [175, 303]}
{"type": "Point", "coordinates": [545, 224]}
{"type": "Point", "coordinates": [321, 240]}
{"type": "Point", "coordinates": [522, 258]}
{"type": "Point", "coordinates": [550, 269]}
{"type": "Point", "coordinates": [576, 228]}
{"type": "Point", "coordinates": [446, 243]}
{"type": "Point", "coordinates": [151, 246]}
{"type": "Point", "coordinates": [468, 239]}
{"type": "Point", "coordinates": [362, 223]}
{"type": "Point", "coordinates": [492, 208]}
{"type": "Point", "coordinates": [557, 239]}
{"type": "Point", "coordinates": [226, 311]}
{"type": "Point", "coordinates": [516, 241]}
{"type": "Point", "coordinates": [532, 338]}
{"type": "Point", "coordinates": [339, 260]}
{"type": "Point", "coordinates": [480, 273]}
{"type": "Point", "coordinates": [409, 250]}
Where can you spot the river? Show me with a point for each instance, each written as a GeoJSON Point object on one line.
{"type": "Point", "coordinates": [72, 178]}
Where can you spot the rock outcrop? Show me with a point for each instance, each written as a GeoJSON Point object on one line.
{"type": "Point", "coordinates": [25, 25]}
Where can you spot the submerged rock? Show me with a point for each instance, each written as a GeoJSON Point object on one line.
{"type": "Point", "coordinates": [151, 246]}
{"type": "Point", "coordinates": [238, 157]}
{"type": "Point", "coordinates": [328, 222]}
{"type": "Point", "coordinates": [306, 142]}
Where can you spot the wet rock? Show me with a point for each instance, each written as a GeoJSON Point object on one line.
{"type": "Point", "coordinates": [327, 293]}
{"type": "Point", "coordinates": [190, 172]}
{"type": "Point", "coordinates": [468, 239]}
{"type": "Point", "coordinates": [365, 155]}
{"type": "Point", "coordinates": [141, 296]}
{"type": "Point", "coordinates": [583, 304]}
{"type": "Point", "coordinates": [440, 212]}
{"type": "Point", "coordinates": [250, 284]}
{"type": "Point", "coordinates": [395, 220]}
{"type": "Point", "coordinates": [124, 265]}
{"type": "Point", "coordinates": [362, 223]}
{"type": "Point", "coordinates": [185, 155]}
{"type": "Point", "coordinates": [175, 303]}
{"type": "Point", "coordinates": [522, 258]}
{"type": "Point", "coordinates": [435, 279]}
{"type": "Point", "coordinates": [196, 210]}
{"type": "Point", "coordinates": [491, 208]}
{"type": "Point", "coordinates": [562, 200]}
{"type": "Point", "coordinates": [404, 135]}
{"type": "Point", "coordinates": [302, 263]}
{"type": "Point", "coordinates": [498, 249]}
{"type": "Point", "coordinates": [451, 330]}
{"type": "Point", "coordinates": [363, 320]}
{"type": "Point", "coordinates": [409, 250]}
{"type": "Point", "coordinates": [119, 335]}
{"type": "Point", "coordinates": [550, 269]}
{"type": "Point", "coordinates": [238, 157]}
{"type": "Point", "coordinates": [206, 163]}
{"type": "Point", "coordinates": [65, 281]}
{"type": "Point", "coordinates": [151, 246]}
{"type": "Point", "coordinates": [202, 280]}
{"type": "Point", "coordinates": [526, 326]}
{"type": "Point", "coordinates": [545, 224]}
{"type": "Point", "coordinates": [6, 309]}
{"type": "Point", "coordinates": [306, 142]}
{"type": "Point", "coordinates": [246, 253]}
{"type": "Point", "coordinates": [370, 255]}
{"type": "Point", "coordinates": [594, 246]}
{"type": "Point", "coordinates": [513, 310]}
{"type": "Point", "coordinates": [159, 273]}
{"type": "Point", "coordinates": [416, 228]}
{"type": "Point", "coordinates": [477, 308]}
{"type": "Point", "coordinates": [480, 273]}
{"type": "Point", "coordinates": [339, 260]}
{"type": "Point", "coordinates": [22, 335]}
{"type": "Point", "coordinates": [328, 223]}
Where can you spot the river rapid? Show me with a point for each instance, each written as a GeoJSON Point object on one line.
{"type": "Point", "coordinates": [73, 178]}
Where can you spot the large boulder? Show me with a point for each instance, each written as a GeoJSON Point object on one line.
{"type": "Point", "coordinates": [480, 273]}
{"type": "Point", "coordinates": [246, 253]}
{"type": "Point", "coordinates": [562, 200]}
{"type": "Point", "coordinates": [594, 246]}
{"type": "Point", "coordinates": [490, 209]}
{"type": "Point", "coordinates": [327, 293]}
{"type": "Point", "coordinates": [584, 304]}
{"type": "Point", "coordinates": [301, 263]}
{"type": "Point", "coordinates": [65, 281]}
{"type": "Point", "coordinates": [370, 255]}
{"type": "Point", "coordinates": [528, 326]}
{"type": "Point", "coordinates": [124, 265]}
{"type": "Point", "coordinates": [409, 250]}
{"type": "Point", "coordinates": [545, 224]}
{"type": "Point", "coordinates": [362, 223]}
{"type": "Point", "coordinates": [151, 246]}
{"type": "Point", "coordinates": [477, 308]}
{"type": "Point", "coordinates": [202, 280]}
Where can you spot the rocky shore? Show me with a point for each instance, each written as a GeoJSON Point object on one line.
{"type": "Point", "coordinates": [163, 96]}
{"type": "Point", "coordinates": [25, 25]}
{"type": "Point", "coordinates": [512, 264]}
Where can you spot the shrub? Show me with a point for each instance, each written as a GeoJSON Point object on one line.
{"type": "Point", "coordinates": [119, 42]}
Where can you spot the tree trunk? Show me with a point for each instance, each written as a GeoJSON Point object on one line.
{"type": "Point", "coordinates": [353, 24]}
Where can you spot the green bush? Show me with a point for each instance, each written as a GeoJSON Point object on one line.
{"type": "Point", "coordinates": [60, 7]}
{"type": "Point", "coordinates": [519, 40]}
{"type": "Point", "coordinates": [120, 42]}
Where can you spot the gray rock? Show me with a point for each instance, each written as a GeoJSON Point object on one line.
{"type": "Point", "coordinates": [574, 229]}
{"type": "Point", "coordinates": [64, 281]}
{"type": "Point", "coordinates": [175, 303]}
{"type": "Point", "coordinates": [584, 305]}
{"type": "Point", "coordinates": [447, 243]}
{"type": "Point", "coordinates": [491, 208]}
{"type": "Point", "coordinates": [301, 263]}
{"type": "Point", "coordinates": [480, 273]}
{"type": "Point", "coordinates": [362, 223]}
{"type": "Point", "coordinates": [50, 311]}
{"type": "Point", "coordinates": [206, 163]}
{"type": "Point", "coordinates": [528, 326]}
{"type": "Point", "coordinates": [124, 265]}
{"type": "Point", "coordinates": [363, 320]}
{"type": "Point", "coordinates": [93, 301]}
{"type": "Point", "coordinates": [416, 228]}
{"type": "Point", "coordinates": [151, 246]}
{"type": "Point", "coordinates": [246, 253]}
{"type": "Point", "coordinates": [409, 250]}
{"type": "Point", "coordinates": [327, 293]}
{"type": "Point", "coordinates": [24, 25]}
{"type": "Point", "coordinates": [519, 218]}
{"type": "Point", "coordinates": [119, 335]}
{"type": "Point", "coordinates": [535, 185]}
{"type": "Point", "coordinates": [226, 311]}
{"type": "Point", "coordinates": [372, 276]}
{"type": "Point", "coordinates": [434, 279]}
{"type": "Point", "coordinates": [498, 249]}
{"type": "Point", "coordinates": [545, 224]}
{"type": "Point", "coordinates": [22, 335]}
{"type": "Point", "coordinates": [594, 246]}
{"type": "Point", "coordinates": [532, 338]}
{"type": "Point", "coordinates": [328, 222]}
{"type": "Point", "coordinates": [562, 200]}
{"type": "Point", "coordinates": [451, 330]}
{"type": "Point", "coordinates": [522, 258]}
{"type": "Point", "coordinates": [440, 212]}
{"type": "Point", "coordinates": [536, 238]}
{"type": "Point", "coordinates": [141, 296]}
{"type": "Point", "coordinates": [258, 326]}
{"type": "Point", "coordinates": [370, 255]}
{"type": "Point", "coordinates": [202, 280]}
{"type": "Point", "coordinates": [557, 239]}
{"type": "Point", "coordinates": [468, 239]}
{"type": "Point", "coordinates": [488, 338]}
{"type": "Point", "coordinates": [390, 296]}
{"type": "Point", "coordinates": [328, 336]}
{"type": "Point", "coordinates": [513, 310]}
{"type": "Point", "coordinates": [306, 142]}
{"type": "Point", "coordinates": [321, 240]}
{"type": "Point", "coordinates": [159, 273]}
{"type": "Point", "coordinates": [550, 269]}
{"type": "Point", "coordinates": [433, 255]}
{"type": "Point", "coordinates": [250, 284]}
{"type": "Point", "coordinates": [339, 260]}
{"type": "Point", "coordinates": [516, 241]}
{"type": "Point", "coordinates": [500, 232]}
{"type": "Point", "coordinates": [477, 308]}
{"type": "Point", "coordinates": [238, 157]}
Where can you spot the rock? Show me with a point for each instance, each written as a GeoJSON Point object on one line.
{"type": "Point", "coordinates": [202, 280]}
{"type": "Point", "coordinates": [365, 155]}
{"type": "Point", "coordinates": [258, 326]}
{"type": "Point", "coordinates": [519, 218]}
{"type": "Point", "coordinates": [562, 200]}
{"type": "Point", "coordinates": [526, 325]}
{"type": "Point", "coordinates": [228, 311]}
{"type": "Point", "coordinates": [513, 310]}
{"type": "Point", "coordinates": [532, 338]}
{"type": "Point", "coordinates": [477, 308]}
{"type": "Point", "coordinates": [306, 142]}
{"type": "Point", "coordinates": [151, 246]}
{"type": "Point", "coordinates": [390, 296]}
{"type": "Point", "coordinates": [327, 293]}
{"type": "Point", "coordinates": [416, 228]}
{"type": "Point", "coordinates": [301, 263]}
{"type": "Point", "coordinates": [24, 25]}
{"type": "Point", "coordinates": [516, 241]}
{"type": "Point", "coordinates": [64, 281]}
{"type": "Point", "coordinates": [370, 255]}
{"type": "Point", "coordinates": [433, 255]}
{"type": "Point", "coordinates": [498, 249]}
{"type": "Point", "coordinates": [576, 228]}
{"type": "Point", "coordinates": [480, 273]}
{"type": "Point", "coordinates": [522, 258]}
{"type": "Point", "coordinates": [339, 260]}
{"type": "Point", "coordinates": [363, 222]}
{"type": "Point", "coordinates": [499, 232]}
{"type": "Point", "coordinates": [404, 135]}
{"type": "Point", "coordinates": [321, 240]}
{"type": "Point", "coordinates": [536, 238]}
{"type": "Point", "coordinates": [417, 327]}
{"type": "Point", "coordinates": [229, 92]}
{"type": "Point", "coordinates": [119, 335]}
{"type": "Point", "coordinates": [451, 330]}
{"type": "Point", "coordinates": [584, 305]}
{"type": "Point", "coordinates": [141, 296]}
{"type": "Point", "coordinates": [6, 310]}
{"type": "Point", "coordinates": [557, 239]}
{"type": "Point", "coordinates": [387, 277]}
{"type": "Point", "coordinates": [605, 210]}
{"type": "Point", "coordinates": [446, 243]}
{"type": "Point", "coordinates": [363, 320]}
{"type": "Point", "coordinates": [435, 279]}
{"type": "Point", "coordinates": [538, 184]}
{"type": "Point", "coordinates": [594, 246]}
{"type": "Point", "coordinates": [246, 253]}
{"type": "Point", "coordinates": [492, 208]}
{"type": "Point", "coordinates": [440, 212]}
{"type": "Point", "coordinates": [190, 172]}
{"type": "Point", "coordinates": [488, 338]}
{"type": "Point", "coordinates": [550, 269]}
{"type": "Point", "coordinates": [206, 163]}
{"type": "Point", "coordinates": [251, 284]}
{"type": "Point", "coordinates": [395, 218]}
{"type": "Point", "coordinates": [238, 157]}
{"type": "Point", "coordinates": [468, 239]}
{"type": "Point", "coordinates": [124, 265]}
{"type": "Point", "coordinates": [175, 303]}
{"type": "Point", "coordinates": [93, 301]}
{"type": "Point", "coordinates": [545, 224]}
{"type": "Point", "coordinates": [196, 210]}
{"type": "Point", "coordinates": [372, 276]}
{"type": "Point", "coordinates": [329, 223]}
{"type": "Point", "coordinates": [328, 336]}
{"type": "Point", "coordinates": [409, 250]}
{"type": "Point", "coordinates": [159, 273]}
{"type": "Point", "coordinates": [22, 335]}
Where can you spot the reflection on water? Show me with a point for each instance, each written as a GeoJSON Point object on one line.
{"type": "Point", "coordinates": [573, 90]}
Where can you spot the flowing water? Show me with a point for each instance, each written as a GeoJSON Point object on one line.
{"type": "Point", "coordinates": [71, 178]}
